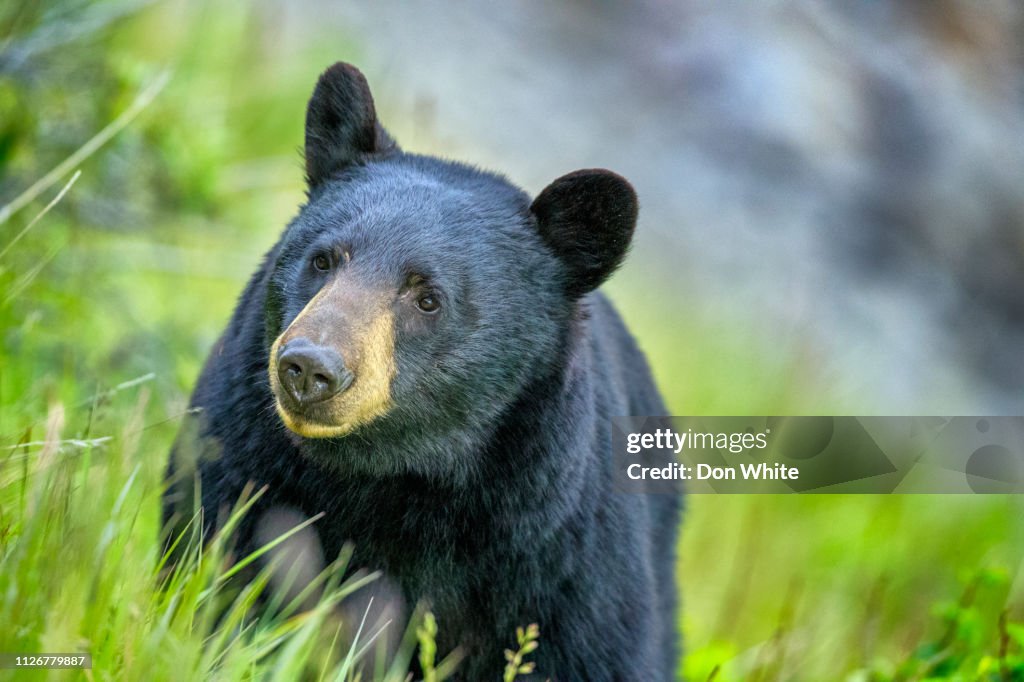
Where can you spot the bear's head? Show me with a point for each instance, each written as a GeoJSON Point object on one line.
{"type": "Point", "coordinates": [415, 300]}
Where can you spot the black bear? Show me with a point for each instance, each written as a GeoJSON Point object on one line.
{"type": "Point", "coordinates": [423, 358]}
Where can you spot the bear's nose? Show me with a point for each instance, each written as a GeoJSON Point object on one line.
{"type": "Point", "coordinates": [311, 373]}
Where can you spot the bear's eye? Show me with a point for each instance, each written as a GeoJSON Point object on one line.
{"type": "Point", "coordinates": [321, 262]}
{"type": "Point", "coordinates": [428, 303]}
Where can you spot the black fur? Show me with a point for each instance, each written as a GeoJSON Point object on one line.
{"type": "Point", "coordinates": [486, 490]}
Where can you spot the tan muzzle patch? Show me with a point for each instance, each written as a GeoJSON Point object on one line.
{"type": "Point", "coordinates": [358, 325]}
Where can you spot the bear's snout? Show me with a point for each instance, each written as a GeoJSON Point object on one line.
{"type": "Point", "coordinates": [311, 374]}
{"type": "Point", "coordinates": [330, 370]}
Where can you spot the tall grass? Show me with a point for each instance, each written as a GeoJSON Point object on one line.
{"type": "Point", "coordinates": [84, 568]}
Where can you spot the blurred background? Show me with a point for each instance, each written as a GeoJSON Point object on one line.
{"type": "Point", "coordinates": [832, 222]}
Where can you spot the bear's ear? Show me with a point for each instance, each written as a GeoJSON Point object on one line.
{"type": "Point", "coordinates": [341, 124]}
{"type": "Point", "coordinates": [587, 218]}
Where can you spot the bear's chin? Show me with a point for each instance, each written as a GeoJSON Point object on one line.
{"type": "Point", "coordinates": [311, 429]}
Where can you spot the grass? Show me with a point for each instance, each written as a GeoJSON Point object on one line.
{"type": "Point", "coordinates": [83, 568]}
{"type": "Point", "coordinates": [110, 301]}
